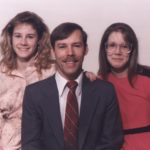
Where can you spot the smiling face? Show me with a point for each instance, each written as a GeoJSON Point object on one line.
{"type": "Point", "coordinates": [24, 41]}
{"type": "Point", "coordinates": [69, 53]}
{"type": "Point", "coordinates": [118, 59]}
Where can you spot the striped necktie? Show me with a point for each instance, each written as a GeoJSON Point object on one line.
{"type": "Point", "coordinates": [71, 118]}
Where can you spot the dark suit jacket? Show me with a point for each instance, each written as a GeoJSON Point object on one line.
{"type": "Point", "coordinates": [99, 124]}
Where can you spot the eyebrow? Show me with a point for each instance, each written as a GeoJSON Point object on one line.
{"type": "Point", "coordinates": [27, 33]}
{"type": "Point", "coordinates": [78, 42]}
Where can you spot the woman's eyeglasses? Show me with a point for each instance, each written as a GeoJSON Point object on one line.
{"type": "Point", "coordinates": [112, 47]}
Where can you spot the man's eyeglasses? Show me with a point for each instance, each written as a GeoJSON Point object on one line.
{"type": "Point", "coordinates": [124, 48]}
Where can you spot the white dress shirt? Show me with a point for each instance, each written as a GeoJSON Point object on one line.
{"type": "Point", "coordinates": [63, 92]}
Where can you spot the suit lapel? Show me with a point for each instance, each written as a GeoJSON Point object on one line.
{"type": "Point", "coordinates": [86, 112]}
{"type": "Point", "coordinates": [53, 109]}
{"type": "Point", "coordinates": [88, 104]}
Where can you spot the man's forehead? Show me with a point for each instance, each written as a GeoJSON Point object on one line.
{"type": "Point", "coordinates": [75, 37]}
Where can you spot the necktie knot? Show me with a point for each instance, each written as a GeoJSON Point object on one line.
{"type": "Point", "coordinates": [72, 85]}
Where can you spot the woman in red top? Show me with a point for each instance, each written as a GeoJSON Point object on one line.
{"type": "Point", "coordinates": [118, 63]}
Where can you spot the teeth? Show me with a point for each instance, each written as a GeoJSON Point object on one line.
{"type": "Point", "coordinates": [23, 47]}
{"type": "Point", "coordinates": [69, 62]}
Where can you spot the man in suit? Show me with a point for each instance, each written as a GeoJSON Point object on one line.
{"type": "Point", "coordinates": [45, 103]}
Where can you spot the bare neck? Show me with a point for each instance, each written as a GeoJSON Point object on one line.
{"type": "Point", "coordinates": [120, 74]}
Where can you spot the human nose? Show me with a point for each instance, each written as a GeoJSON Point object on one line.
{"type": "Point", "coordinates": [23, 41]}
{"type": "Point", "coordinates": [70, 50]}
{"type": "Point", "coordinates": [118, 49]}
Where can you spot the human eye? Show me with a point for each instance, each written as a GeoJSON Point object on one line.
{"type": "Point", "coordinates": [31, 36]}
{"type": "Point", "coordinates": [77, 45]}
{"type": "Point", "coordinates": [61, 46]}
{"type": "Point", "coordinates": [125, 46]}
{"type": "Point", "coordinates": [16, 35]}
{"type": "Point", "coordinates": [111, 45]}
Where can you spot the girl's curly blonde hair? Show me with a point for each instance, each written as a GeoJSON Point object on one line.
{"type": "Point", "coordinates": [43, 55]}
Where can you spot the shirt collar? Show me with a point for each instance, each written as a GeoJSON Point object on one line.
{"type": "Point", "coordinates": [61, 83]}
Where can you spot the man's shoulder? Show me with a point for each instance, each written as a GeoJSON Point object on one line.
{"type": "Point", "coordinates": [102, 84]}
{"type": "Point", "coordinates": [103, 90]}
{"type": "Point", "coordinates": [42, 83]}
{"type": "Point", "coordinates": [99, 84]}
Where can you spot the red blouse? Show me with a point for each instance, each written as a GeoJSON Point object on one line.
{"type": "Point", "coordinates": [135, 109]}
